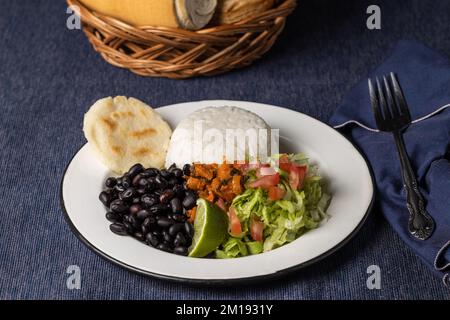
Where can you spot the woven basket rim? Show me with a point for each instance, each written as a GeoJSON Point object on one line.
{"type": "Point", "coordinates": [178, 53]}
{"type": "Point", "coordinates": [282, 6]}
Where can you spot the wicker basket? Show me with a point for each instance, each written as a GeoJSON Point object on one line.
{"type": "Point", "coordinates": [179, 54]}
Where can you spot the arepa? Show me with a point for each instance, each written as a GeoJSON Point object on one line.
{"type": "Point", "coordinates": [124, 131]}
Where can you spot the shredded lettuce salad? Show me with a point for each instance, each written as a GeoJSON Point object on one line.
{"type": "Point", "coordinates": [285, 219]}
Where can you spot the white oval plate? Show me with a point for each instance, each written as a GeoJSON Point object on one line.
{"type": "Point", "coordinates": [346, 171]}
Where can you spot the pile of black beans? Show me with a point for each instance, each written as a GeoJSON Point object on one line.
{"type": "Point", "coordinates": [150, 205]}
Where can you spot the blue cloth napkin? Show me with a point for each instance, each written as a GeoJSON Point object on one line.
{"type": "Point", "coordinates": [425, 79]}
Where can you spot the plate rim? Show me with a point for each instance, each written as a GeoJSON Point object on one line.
{"type": "Point", "coordinates": [223, 282]}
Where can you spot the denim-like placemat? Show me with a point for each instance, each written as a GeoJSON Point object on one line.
{"type": "Point", "coordinates": [49, 76]}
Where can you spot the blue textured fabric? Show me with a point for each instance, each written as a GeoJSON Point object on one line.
{"type": "Point", "coordinates": [49, 76]}
{"type": "Point", "coordinates": [425, 79]}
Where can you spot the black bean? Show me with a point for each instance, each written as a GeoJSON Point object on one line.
{"type": "Point", "coordinates": [189, 229]}
{"type": "Point", "coordinates": [136, 179]}
{"type": "Point", "coordinates": [189, 202]}
{"type": "Point", "coordinates": [143, 174]}
{"type": "Point", "coordinates": [164, 222]}
{"type": "Point", "coordinates": [119, 188]}
{"type": "Point", "coordinates": [174, 229]}
{"type": "Point", "coordinates": [151, 184]}
{"type": "Point", "coordinates": [157, 233]}
{"type": "Point", "coordinates": [152, 180]}
{"type": "Point", "coordinates": [143, 214]}
{"type": "Point", "coordinates": [135, 208]}
{"type": "Point", "coordinates": [118, 206]}
{"type": "Point", "coordinates": [112, 217]}
{"type": "Point", "coordinates": [145, 229]}
{"type": "Point", "coordinates": [113, 193]}
{"type": "Point", "coordinates": [152, 172]}
{"type": "Point", "coordinates": [143, 182]}
{"type": "Point", "coordinates": [187, 169]}
{"type": "Point", "coordinates": [175, 205]}
{"type": "Point", "coordinates": [179, 191]}
{"type": "Point", "coordinates": [172, 167]}
{"type": "Point", "coordinates": [128, 194]}
{"type": "Point", "coordinates": [178, 217]}
{"type": "Point", "coordinates": [126, 218]}
{"type": "Point", "coordinates": [164, 247]}
{"type": "Point", "coordinates": [118, 228]}
{"type": "Point", "coordinates": [105, 198]}
{"type": "Point", "coordinates": [135, 170]}
{"type": "Point", "coordinates": [165, 174]}
{"type": "Point", "coordinates": [180, 240]}
{"type": "Point", "coordinates": [172, 182]}
{"type": "Point", "coordinates": [128, 227]}
{"type": "Point", "coordinates": [167, 237]}
{"type": "Point", "coordinates": [191, 193]}
{"type": "Point", "coordinates": [158, 209]}
{"type": "Point", "coordinates": [139, 236]}
{"type": "Point", "coordinates": [141, 191]}
{"type": "Point", "coordinates": [126, 182]}
{"type": "Point", "coordinates": [151, 239]}
{"type": "Point", "coordinates": [178, 173]}
{"type": "Point", "coordinates": [149, 200]}
{"type": "Point", "coordinates": [135, 223]}
{"type": "Point", "coordinates": [166, 196]}
{"type": "Point", "coordinates": [111, 182]}
{"type": "Point", "coordinates": [182, 251]}
{"type": "Point", "coordinates": [161, 183]}
{"type": "Point", "coordinates": [148, 222]}
{"type": "Point", "coordinates": [136, 200]}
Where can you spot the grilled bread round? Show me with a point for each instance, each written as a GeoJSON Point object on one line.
{"type": "Point", "coordinates": [124, 131]}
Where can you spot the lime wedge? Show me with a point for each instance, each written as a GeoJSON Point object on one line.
{"type": "Point", "coordinates": [210, 229]}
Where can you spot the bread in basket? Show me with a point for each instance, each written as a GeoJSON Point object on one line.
{"type": "Point", "coordinates": [162, 45]}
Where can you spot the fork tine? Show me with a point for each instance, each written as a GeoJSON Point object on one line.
{"type": "Point", "coordinates": [374, 102]}
{"type": "Point", "coordinates": [390, 99]}
{"type": "Point", "coordinates": [399, 97]}
{"type": "Point", "coordinates": [382, 99]}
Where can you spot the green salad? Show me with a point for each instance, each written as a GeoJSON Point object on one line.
{"type": "Point", "coordinates": [282, 200]}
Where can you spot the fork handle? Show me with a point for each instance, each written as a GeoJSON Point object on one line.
{"type": "Point", "coordinates": [420, 223]}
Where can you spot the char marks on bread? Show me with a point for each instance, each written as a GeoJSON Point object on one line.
{"type": "Point", "coordinates": [123, 131]}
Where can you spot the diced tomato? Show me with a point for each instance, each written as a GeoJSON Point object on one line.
{"type": "Point", "coordinates": [256, 229]}
{"type": "Point", "coordinates": [276, 193]}
{"type": "Point", "coordinates": [296, 172]}
{"type": "Point", "coordinates": [266, 171]}
{"type": "Point", "coordinates": [284, 163]}
{"type": "Point", "coordinates": [266, 182]}
{"type": "Point", "coordinates": [221, 204]}
{"type": "Point", "coordinates": [297, 176]}
{"type": "Point", "coordinates": [246, 167]}
{"type": "Point", "coordinates": [235, 223]}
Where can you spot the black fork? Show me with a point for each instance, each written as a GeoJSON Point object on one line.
{"type": "Point", "coordinates": [392, 115]}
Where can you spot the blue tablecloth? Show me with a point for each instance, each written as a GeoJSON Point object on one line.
{"type": "Point", "coordinates": [49, 76]}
